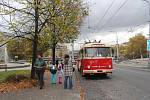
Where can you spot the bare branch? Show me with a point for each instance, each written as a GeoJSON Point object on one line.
{"type": "Point", "coordinates": [19, 10]}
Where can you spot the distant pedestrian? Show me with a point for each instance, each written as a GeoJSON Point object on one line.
{"type": "Point", "coordinates": [60, 73]}
{"type": "Point", "coordinates": [68, 72]}
{"type": "Point", "coordinates": [40, 66]}
{"type": "Point", "coordinates": [53, 71]}
{"type": "Point", "coordinates": [57, 62]}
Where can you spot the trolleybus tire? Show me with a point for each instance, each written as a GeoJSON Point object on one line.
{"type": "Point", "coordinates": [78, 70]}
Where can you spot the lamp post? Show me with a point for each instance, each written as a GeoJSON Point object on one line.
{"type": "Point", "coordinates": [148, 2]}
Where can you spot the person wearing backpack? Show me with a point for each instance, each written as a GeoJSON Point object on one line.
{"type": "Point", "coordinates": [53, 71]}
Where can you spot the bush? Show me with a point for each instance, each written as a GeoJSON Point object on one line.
{"type": "Point", "coordinates": [14, 75]}
{"type": "Point", "coordinates": [16, 78]}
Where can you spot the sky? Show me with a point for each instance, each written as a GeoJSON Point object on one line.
{"type": "Point", "coordinates": [124, 18]}
{"type": "Point", "coordinates": [109, 19]}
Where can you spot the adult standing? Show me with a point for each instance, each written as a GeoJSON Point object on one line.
{"type": "Point", "coordinates": [40, 69]}
{"type": "Point", "coordinates": [68, 72]}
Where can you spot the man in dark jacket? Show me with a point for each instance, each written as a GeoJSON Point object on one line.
{"type": "Point", "coordinates": [40, 69]}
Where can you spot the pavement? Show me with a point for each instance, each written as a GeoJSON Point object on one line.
{"type": "Point", "coordinates": [50, 92]}
{"type": "Point", "coordinates": [141, 64]}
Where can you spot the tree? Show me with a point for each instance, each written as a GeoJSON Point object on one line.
{"type": "Point", "coordinates": [136, 47]}
{"type": "Point", "coordinates": [65, 23]}
{"type": "Point", "coordinates": [21, 48]}
{"type": "Point", "coordinates": [36, 19]}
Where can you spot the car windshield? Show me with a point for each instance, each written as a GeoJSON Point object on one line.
{"type": "Point", "coordinates": [97, 52]}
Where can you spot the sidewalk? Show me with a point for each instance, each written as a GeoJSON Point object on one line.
{"type": "Point", "coordinates": [50, 92]}
{"type": "Point", "coordinates": [136, 64]}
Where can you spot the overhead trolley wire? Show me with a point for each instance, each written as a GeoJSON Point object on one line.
{"type": "Point", "coordinates": [105, 13]}
{"type": "Point", "coordinates": [114, 14]}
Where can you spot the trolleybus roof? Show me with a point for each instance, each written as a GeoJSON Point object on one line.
{"type": "Point", "coordinates": [94, 45]}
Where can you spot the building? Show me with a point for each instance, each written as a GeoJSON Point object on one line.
{"type": "Point", "coordinates": [61, 50]}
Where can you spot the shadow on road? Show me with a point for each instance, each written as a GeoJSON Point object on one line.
{"type": "Point", "coordinates": [97, 77]}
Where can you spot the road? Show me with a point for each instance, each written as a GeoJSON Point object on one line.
{"type": "Point", "coordinates": [124, 84]}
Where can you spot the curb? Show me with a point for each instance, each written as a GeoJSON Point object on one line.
{"type": "Point", "coordinates": [15, 67]}
{"type": "Point", "coordinates": [80, 89]}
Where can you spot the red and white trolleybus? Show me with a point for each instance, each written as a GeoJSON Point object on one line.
{"type": "Point", "coordinates": [95, 58]}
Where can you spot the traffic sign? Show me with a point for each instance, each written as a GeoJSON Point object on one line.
{"type": "Point", "coordinates": [148, 45]}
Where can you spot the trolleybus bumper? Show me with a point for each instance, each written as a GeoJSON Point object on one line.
{"type": "Point", "coordinates": [97, 71]}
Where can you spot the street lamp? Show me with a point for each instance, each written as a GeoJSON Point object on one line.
{"type": "Point", "coordinates": [148, 2]}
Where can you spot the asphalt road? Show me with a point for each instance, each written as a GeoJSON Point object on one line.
{"type": "Point", "coordinates": [124, 84]}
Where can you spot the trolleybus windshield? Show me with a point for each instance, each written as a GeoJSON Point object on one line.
{"type": "Point", "coordinates": [98, 52]}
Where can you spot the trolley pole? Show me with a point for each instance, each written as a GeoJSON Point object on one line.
{"type": "Point", "coordinates": [148, 2]}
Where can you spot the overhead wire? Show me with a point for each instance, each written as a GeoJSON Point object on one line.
{"type": "Point", "coordinates": [114, 14]}
{"type": "Point", "coordinates": [109, 7]}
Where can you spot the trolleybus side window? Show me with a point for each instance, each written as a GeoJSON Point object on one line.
{"type": "Point", "coordinates": [81, 53]}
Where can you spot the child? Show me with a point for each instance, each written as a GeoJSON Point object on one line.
{"type": "Point", "coordinates": [60, 73]}
{"type": "Point", "coordinates": [53, 71]}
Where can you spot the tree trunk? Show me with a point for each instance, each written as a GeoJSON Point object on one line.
{"type": "Point", "coordinates": [53, 53]}
{"type": "Point", "coordinates": [34, 52]}
{"type": "Point", "coordinates": [35, 39]}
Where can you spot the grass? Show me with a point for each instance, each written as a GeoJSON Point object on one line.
{"type": "Point", "coordinates": [5, 74]}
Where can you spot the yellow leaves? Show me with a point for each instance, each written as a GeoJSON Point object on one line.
{"type": "Point", "coordinates": [135, 47]}
{"type": "Point", "coordinates": [7, 87]}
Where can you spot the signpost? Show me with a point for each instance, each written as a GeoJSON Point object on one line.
{"type": "Point", "coordinates": [148, 49]}
{"type": "Point", "coordinates": [148, 45]}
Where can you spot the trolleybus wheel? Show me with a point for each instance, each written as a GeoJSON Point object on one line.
{"type": "Point", "coordinates": [78, 70]}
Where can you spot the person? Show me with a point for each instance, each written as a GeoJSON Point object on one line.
{"type": "Point", "coordinates": [60, 73]}
{"type": "Point", "coordinates": [53, 71]}
{"type": "Point", "coordinates": [68, 72]}
{"type": "Point", "coordinates": [57, 62]}
{"type": "Point", "coordinates": [40, 69]}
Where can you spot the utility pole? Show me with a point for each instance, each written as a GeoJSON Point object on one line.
{"type": "Point", "coordinates": [148, 2]}
{"type": "Point", "coordinates": [117, 46]}
{"type": "Point", "coordinates": [72, 50]}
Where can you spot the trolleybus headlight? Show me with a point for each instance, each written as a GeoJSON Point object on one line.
{"type": "Point", "coordinates": [109, 66]}
{"type": "Point", "coordinates": [89, 67]}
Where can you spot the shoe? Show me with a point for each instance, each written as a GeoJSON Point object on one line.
{"type": "Point", "coordinates": [60, 82]}
{"type": "Point", "coordinates": [41, 87]}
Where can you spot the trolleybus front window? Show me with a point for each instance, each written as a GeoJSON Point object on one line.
{"type": "Point", "coordinates": [89, 52]}
{"type": "Point", "coordinates": [103, 52]}
{"type": "Point", "coordinates": [97, 52]}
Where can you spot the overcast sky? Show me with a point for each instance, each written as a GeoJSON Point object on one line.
{"type": "Point", "coordinates": [126, 17]}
